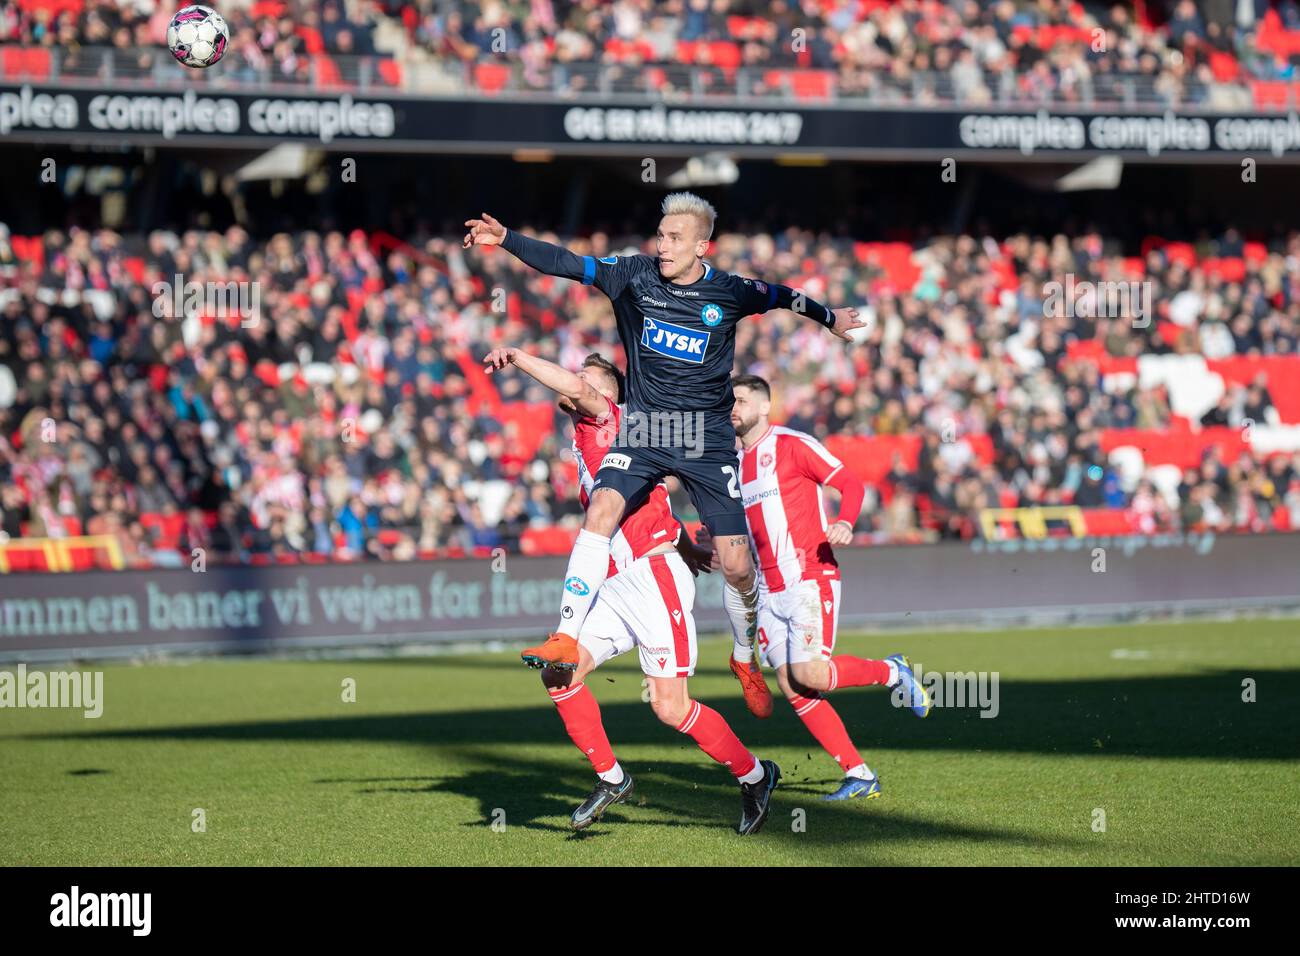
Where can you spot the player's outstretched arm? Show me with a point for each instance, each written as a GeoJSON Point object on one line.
{"type": "Point", "coordinates": [762, 297]}
{"type": "Point", "coordinates": [586, 400]}
{"type": "Point", "coordinates": [838, 322]}
{"type": "Point", "coordinates": [543, 256]}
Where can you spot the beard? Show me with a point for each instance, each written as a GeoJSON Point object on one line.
{"type": "Point", "coordinates": [745, 426]}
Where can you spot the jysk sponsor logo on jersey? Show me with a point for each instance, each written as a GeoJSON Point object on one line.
{"type": "Point", "coordinates": [577, 586]}
{"type": "Point", "coordinates": [675, 341]}
{"type": "Point", "coordinates": [710, 315]}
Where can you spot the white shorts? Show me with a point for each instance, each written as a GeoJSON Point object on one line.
{"type": "Point", "coordinates": [646, 605]}
{"type": "Point", "coordinates": [798, 624]}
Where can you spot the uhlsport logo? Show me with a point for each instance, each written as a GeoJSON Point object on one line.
{"type": "Point", "coordinates": [710, 315]}
{"type": "Point", "coordinates": [577, 586]}
{"type": "Point", "coordinates": [674, 341]}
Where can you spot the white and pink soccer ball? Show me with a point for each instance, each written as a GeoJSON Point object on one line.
{"type": "Point", "coordinates": [198, 36]}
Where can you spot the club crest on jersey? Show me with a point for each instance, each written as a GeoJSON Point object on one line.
{"type": "Point", "coordinates": [711, 314]}
{"type": "Point", "coordinates": [577, 586]}
{"type": "Point", "coordinates": [674, 341]}
{"type": "Point", "coordinates": [765, 460]}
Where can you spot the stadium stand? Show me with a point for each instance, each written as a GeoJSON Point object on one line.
{"type": "Point", "coordinates": [923, 51]}
{"type": "Point", "coordinates": [348, 417]}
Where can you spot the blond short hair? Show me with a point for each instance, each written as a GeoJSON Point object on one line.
{"type": "Point", "coordinates": [689, 204]}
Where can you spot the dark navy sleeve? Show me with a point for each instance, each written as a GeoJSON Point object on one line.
{"type": "Point", "coordinates": [545, 256]}
{"type": "Point", "coordinates": [611, 274]}
{"type": "Point", "coordinates": [757, 297]}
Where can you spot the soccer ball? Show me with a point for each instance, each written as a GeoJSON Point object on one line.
{"type": "Point", "coordinates": [198, 36]}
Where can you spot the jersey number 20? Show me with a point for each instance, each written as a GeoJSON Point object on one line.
{"type": "Point", "coordinates": [732, 488]}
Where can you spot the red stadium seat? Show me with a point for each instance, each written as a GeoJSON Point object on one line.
{"type": "Point", "coordinates": [812, 84]}
{"type": "Point", "coordinates": [1224, 66]}
{"type": "Point", "coordinates": [266, 8]}
{"type": "Point", "coordinates": [725, 55]}
{"type": "Point", "coordinates": [1229, 270]}
{"type": "Point", "coordinates": [491, 77]}
{"type": "Point", "coordinates": [311, 39]}
{"type": "Point", "coordinates": [1107, 521]}
{"type": "Point", "coordinates": [390, 71]}
{"type": "Point", "coordinates": [553, 540]}
{"type": "Point", "coordinates": [13, 61]}
{"type": "Point", "coordinates": [327, 73]}
{"type": "Point", "coordinates": [1271, 94]}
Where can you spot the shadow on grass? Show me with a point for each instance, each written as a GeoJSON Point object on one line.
{"type": "Point", "coordinates": [539, 794]}
{"type": "Point", "coordinates": [1190, 716]}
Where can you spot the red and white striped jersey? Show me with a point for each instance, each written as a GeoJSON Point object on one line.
{"type": "Point", "coordinates": [641, 530]}
{"type": "Point", "coordinates": [781, 478]}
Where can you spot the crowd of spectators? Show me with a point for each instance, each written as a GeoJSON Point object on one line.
{"type": "Point", "coordinates": [274, 40]}
{"type": "Point", "coordinates": [345, 414]}
{"type": "Point", "coordinates": [918, 50]}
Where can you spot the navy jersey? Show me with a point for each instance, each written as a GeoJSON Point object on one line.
{"type": "Point", "coordinates": [680, 340]}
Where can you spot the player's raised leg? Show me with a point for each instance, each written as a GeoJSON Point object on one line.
{"type": "Point", "coordinates": [588, 566]}
{"type": "Point", "coordinates": [845, 670]}
{"type": "Point", "coordinates": [621, 485]}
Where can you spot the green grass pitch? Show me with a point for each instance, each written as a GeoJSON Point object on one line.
{"type": "Point", "coordinates": [1144, 722]}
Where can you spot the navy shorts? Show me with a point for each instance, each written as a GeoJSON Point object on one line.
{"type": "Point", "coordinates": [711, 478]}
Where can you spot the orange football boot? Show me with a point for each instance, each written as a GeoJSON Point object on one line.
{"type": "Point", "coordinates": [757, 697]}
{"type": "Point", "coordinates": [559, 651]}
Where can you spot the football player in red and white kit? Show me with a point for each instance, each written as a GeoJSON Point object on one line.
{"type": "Point", "coordinates": [782, 472]}
{"type": "Point", "coordinates": [645, 602]}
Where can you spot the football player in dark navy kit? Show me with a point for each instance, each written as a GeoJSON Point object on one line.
{"type": "Point", "coordinates": [677, 318]}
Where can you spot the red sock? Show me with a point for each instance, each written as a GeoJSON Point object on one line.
{"type": "Point", "coordinates": [849, 671]}
{"type": "Point", "coordinates": [717, 739]}
{"type": "Point", "coordinates": [825, 725]}
{"type": "Point", "coordinates": [581, 715]}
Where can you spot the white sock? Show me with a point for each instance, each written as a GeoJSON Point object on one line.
{"type": "Point", "coordinates": [588, 566]}
{"type": "Point", "coordinates": [861, 771]}
{"type": "Point", "coordinates": [755, 775]}
{"type": "Point", "coordinates": [742, 614]}
{"type": "Point", "coordinates": [613, 775]}
{"type": "Point", "coordinates": [893, 674]}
